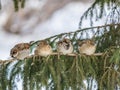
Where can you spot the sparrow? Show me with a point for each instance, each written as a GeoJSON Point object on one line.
{"type": "Point", "coordinates": [87, 47]}
{"type": "Point", "coordinates": [20, 51]}
{"type": "Point", "coordinates": [43, 48]}
{"type": "Point", "coordinates": [65, 46]}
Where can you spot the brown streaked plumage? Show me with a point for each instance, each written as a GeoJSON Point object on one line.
{"type": "Point", "coordinates": [87, 47]}
{"type": "Point", "coordinates": [20, 51]}
{"type": "Point", "coordinates": [43, 49]}
{"type": "Point", "coordinates": [65, 46]}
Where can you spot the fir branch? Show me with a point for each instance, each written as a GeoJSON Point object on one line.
{"type": "Point", "coordinates": [79, 30]}
{"type": "Point", "coordinates": [85, 29]}
{"type": "Point", "coordinates": [102, 26]}
{"type": "Point", "coordinates": [0, 4]}
{"type": "Point", "coordinates": [16, 5]}
{"type": "Point", "coordinates": [99, 10]}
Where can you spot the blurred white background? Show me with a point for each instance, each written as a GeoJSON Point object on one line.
{"type": "Point", "coordinates": [25, 25]}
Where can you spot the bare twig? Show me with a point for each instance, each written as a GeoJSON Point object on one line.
{"type": "Point", "coordinates": [7, 61]}
{"type": "Point", "coordinates": [55, 53]}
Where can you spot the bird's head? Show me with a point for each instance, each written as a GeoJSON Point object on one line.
{"type": "Point", "coordinates": [42, 43]}
{"type": "Point", "coordinates": [14, 52]}
{"type": "Point", "coordinates": [67, 41]}
{"type": "Point", "coordinates": [86, 41]}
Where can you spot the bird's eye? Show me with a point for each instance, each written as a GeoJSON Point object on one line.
{"type": "Point", "coordinates": [14, 52]}
{"type": "Point", "coordinates": [67, 41]}
{"type": "Point", "coordinates": [37, 44]}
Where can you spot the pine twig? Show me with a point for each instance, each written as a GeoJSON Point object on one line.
{"type": "Point", "coordinates": [79, 30]}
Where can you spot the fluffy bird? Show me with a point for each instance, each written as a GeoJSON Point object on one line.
{"type": "Point", "coordinates": [43, 48]}
{"type": "Point", "coordinates": [87, 47]}
{"type": "Point", "coordinates": [20, 51]}
{"type": "Point", "coordinates": [65, 46]}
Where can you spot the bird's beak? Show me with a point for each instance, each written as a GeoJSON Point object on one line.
{"type": "Point", "coordinates": [12, 56]}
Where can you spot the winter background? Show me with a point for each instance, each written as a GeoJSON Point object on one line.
{"type": "Point", "coordinates": [65, 19]}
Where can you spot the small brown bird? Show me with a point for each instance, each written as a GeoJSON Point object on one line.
{"type": "Point", "coordinates": [65, 46]}
{"type": "Point", "coordinates": [20, 51]}
{"type": "Point", "coordinates": [87, 47]}
{"type": "Point", "coordinates": [43, 49]}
